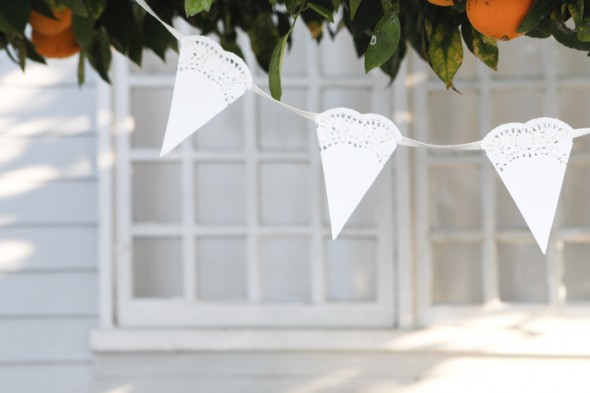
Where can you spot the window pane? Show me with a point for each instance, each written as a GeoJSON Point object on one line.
{"type": "Point", "coordinates": [569, 110]}
{"type": "Point", "coordinates": [522, 273]}
{"type": "Point", "coordinates": [445, 129]}
{"type": "Point", "coordinates": [457, 274]}
{"type": "Point", "coordinates": [224, 131]}
{"type": "Point", "coordinates": [577, 272]}
{"type": "Point", "coordinates": [359, 99]}
{"type": "Point", "coordinates": [575, 197]}
{"type": "Point", "coordinates": [517, 105]}
{"type": "Point", "coordinates": [284, 269]}
{"type": "Point", "coordinates": [341, 58]}
{"type": "Point", "coordinates": [351, 271]}
{"type": "Point", "coordinates": [157, 267]}
{"type": "Point", "coordinates": [521, 58]}
{"type": "Point", "coordinates": [283, 130]}
{"type": "Point", "coordinates": [149, 107]}
{"type": "Point", "coordinates": [156, 192]}
{"type": "Point", "coordinates": [220, 193]}
{"type": "Point", "coordinates": [284, 194]}
{"type": "Point", "coordinates": [455, 202]}
{"type": "Point", "coordinates": [221, 268]}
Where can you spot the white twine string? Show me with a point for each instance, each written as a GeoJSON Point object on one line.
{"type": "Point", "coordinates": [312, 116]}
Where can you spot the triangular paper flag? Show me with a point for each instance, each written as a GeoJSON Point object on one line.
{"type": "Point", "coordinates": [354, 149]}
{"type": "Point", "coordinates": [531, 159]}
{"type": "Point", "coordinates": [207, 81]}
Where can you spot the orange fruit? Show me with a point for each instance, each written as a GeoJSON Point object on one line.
{"type": "Point", "coordinates": [498, 18]}
{"type": "Point", "coordinates": [442, 3]}
{"type": "Point", "coordinates": [56, 46]}
{"type": "Point", "coordinates": [48, 26]}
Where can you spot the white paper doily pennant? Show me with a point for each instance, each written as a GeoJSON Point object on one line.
{"type": "Point", "coordinates": [207, 81]}
{"type": "Point", "coordinates": [354, 149]}
{"type": "Point", "coordinates": [531, 160]}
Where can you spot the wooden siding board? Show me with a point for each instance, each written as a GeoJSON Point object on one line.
{"type": "Point", "coordinates": [45, 340]}
{"type": "Point", "coordinates": [46, 378]}
{"type": "Point", "coordinates": [43, 294]}
{"type": "Point", "coordinates": [32, 203]}
{"type": "Point", "coordinates": [47, 158]}
{"type": "Point", "coordinates": [48, 248]}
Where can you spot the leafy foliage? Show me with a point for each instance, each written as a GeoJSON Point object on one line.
{"type": "Point", "coordinates": [381, 30]}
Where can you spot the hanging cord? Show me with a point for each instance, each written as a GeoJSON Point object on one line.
{"type": "Point", "coordinates": [300, 112]}
{"type": "Point", "coordinates": [312, 116]}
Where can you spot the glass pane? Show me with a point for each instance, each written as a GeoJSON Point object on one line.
{"type": "Point", "coordinates": [157, 267]}
{"type": "Point", "coordinates": [575, 198]}
{"type": "Point", "coordinates": [445, 129]}
{"type": "Point", "coordinates": [338, 57]}
{"type": "Point", "coordinates": [507, 212]}
{"type": "Point", "coordinates": [149, 107]}
{"type": "Point", "coordinates": [220, 194]}
{"type": "Point", "coordinates": [295, 58]}
{"type": "Point", "coordinates": [284, 194]}
{"type": "Point", "coordinates": [221, 269]}
{"type": "Point", "coordinates": [358, 99]}
{"type": "Point", "coordinates": [351, 269]}
{"type": "Point", "coordinates": [224, 131]}
{"type": "Point", "coordinates": [156, 192]}
{"type": "Point", "coordinates": [284, 269]}
{"type": "Point", "coordinates": [455, 202]}
{"type": "Point", "coordinates": [522, 273]}
{"type": "Point", "coordinates": [569, 110]}
{"type": "Point", "coordinates": [570, 63]}
{"type": "Point", "coordinates": [517, 105]}
{"type": "Point", "coordinates": [283, 130]}
{"type": "Point", "coordinates": [152, 64]}
{"type": "Point", "coordinates": [457, 274]}
{"type": "Point", "coordinates": [577, 272]}
{"type": "Point", "coordinates": [523, 57]}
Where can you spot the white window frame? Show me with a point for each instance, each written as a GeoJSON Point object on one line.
{"type": "Point", "coordinates": [119, 310]}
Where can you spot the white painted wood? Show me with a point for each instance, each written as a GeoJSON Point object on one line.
{"type": "Point", "coordinates": [45, 340]}
{"type": "Point", "coordinates": [30, 111]}
{"type": "Point", "coordinates": [43, 294]}
{"type": "Point", "coordinates": [105, 238]}
{"type": "Point", "coordinates": [47, 158]}
{"type": "Point", "coordinates": [62, 72]}
{"type": "Point", "coordinates": [544, 333]}
{"type": "Point", "coordinates": [40, 203]}
{"type": "Point", "coordinates": [47, 248]}
{"type": "Point", "coordinates": [47, 378]}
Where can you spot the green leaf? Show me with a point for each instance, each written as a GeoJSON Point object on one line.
{"type": "Point", "coordinates": [445, 52]}
{"type": "Point", "coordinates": [157, 38]}
{"type": "Point", "coordinates": [540, 10]}
{"type": "Point", "coordinates": [263, 38]}
{"type": "Point", "coordinates": [293, 6]}
{"type": "Point", "coordinates": [580, 14]}
{"type": "Point", "coordinates": [95, 7]}
{"type": "Point", "coordinates": [384, 42]}
{"type": "Point", "coordinates": [354, 6]}
{"type": "Point", "coordinates": [566, 36]}
{"type": "Point", "coordinates": [99, 55]}
{"type": "Point", "coordinates": [78, 7]}
{"type": "Point", "coordinates": [84, 30]}
{"type": "Point", "coordinates": [323, 11]}
{"type": "Point", "coordinates": [193, 7]}
{"type": "Point", "coordinates": [81, 69]}
{"type": "Point", "coordinates": [14, 15]}
{"type": "Point", "coordinates": [391, 67]}
{"type": "Point", "coordinates": [483, 47]}
{"type": "Point", "coordinates": [274, 71]}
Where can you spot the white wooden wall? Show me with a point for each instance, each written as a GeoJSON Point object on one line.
{"type": "Point", "coordinates": [48, 228]}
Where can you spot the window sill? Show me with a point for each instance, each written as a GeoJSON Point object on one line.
{"type": "Point", "coordinates": [506, 334]}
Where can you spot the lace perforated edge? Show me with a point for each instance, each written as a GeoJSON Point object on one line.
{"type": "Point", "coordinates": [524, 141]}
{"type": "Point", "coordinates": [343, 126]}
{"type": "Point", "coordinates": [225, 69]}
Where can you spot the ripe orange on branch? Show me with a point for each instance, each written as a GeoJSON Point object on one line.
{"type": "Point", "coordinates": [57, 46]}
{"type": "Point", "coordinates": [442, 3]}
{"type": "Point", "coordinates": [48, 26]}
{"type": "Point", "coordinates": [498, 18]}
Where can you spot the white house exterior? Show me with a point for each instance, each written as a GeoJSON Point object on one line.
{"type": "Point", "coordinates": [212, 270]}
